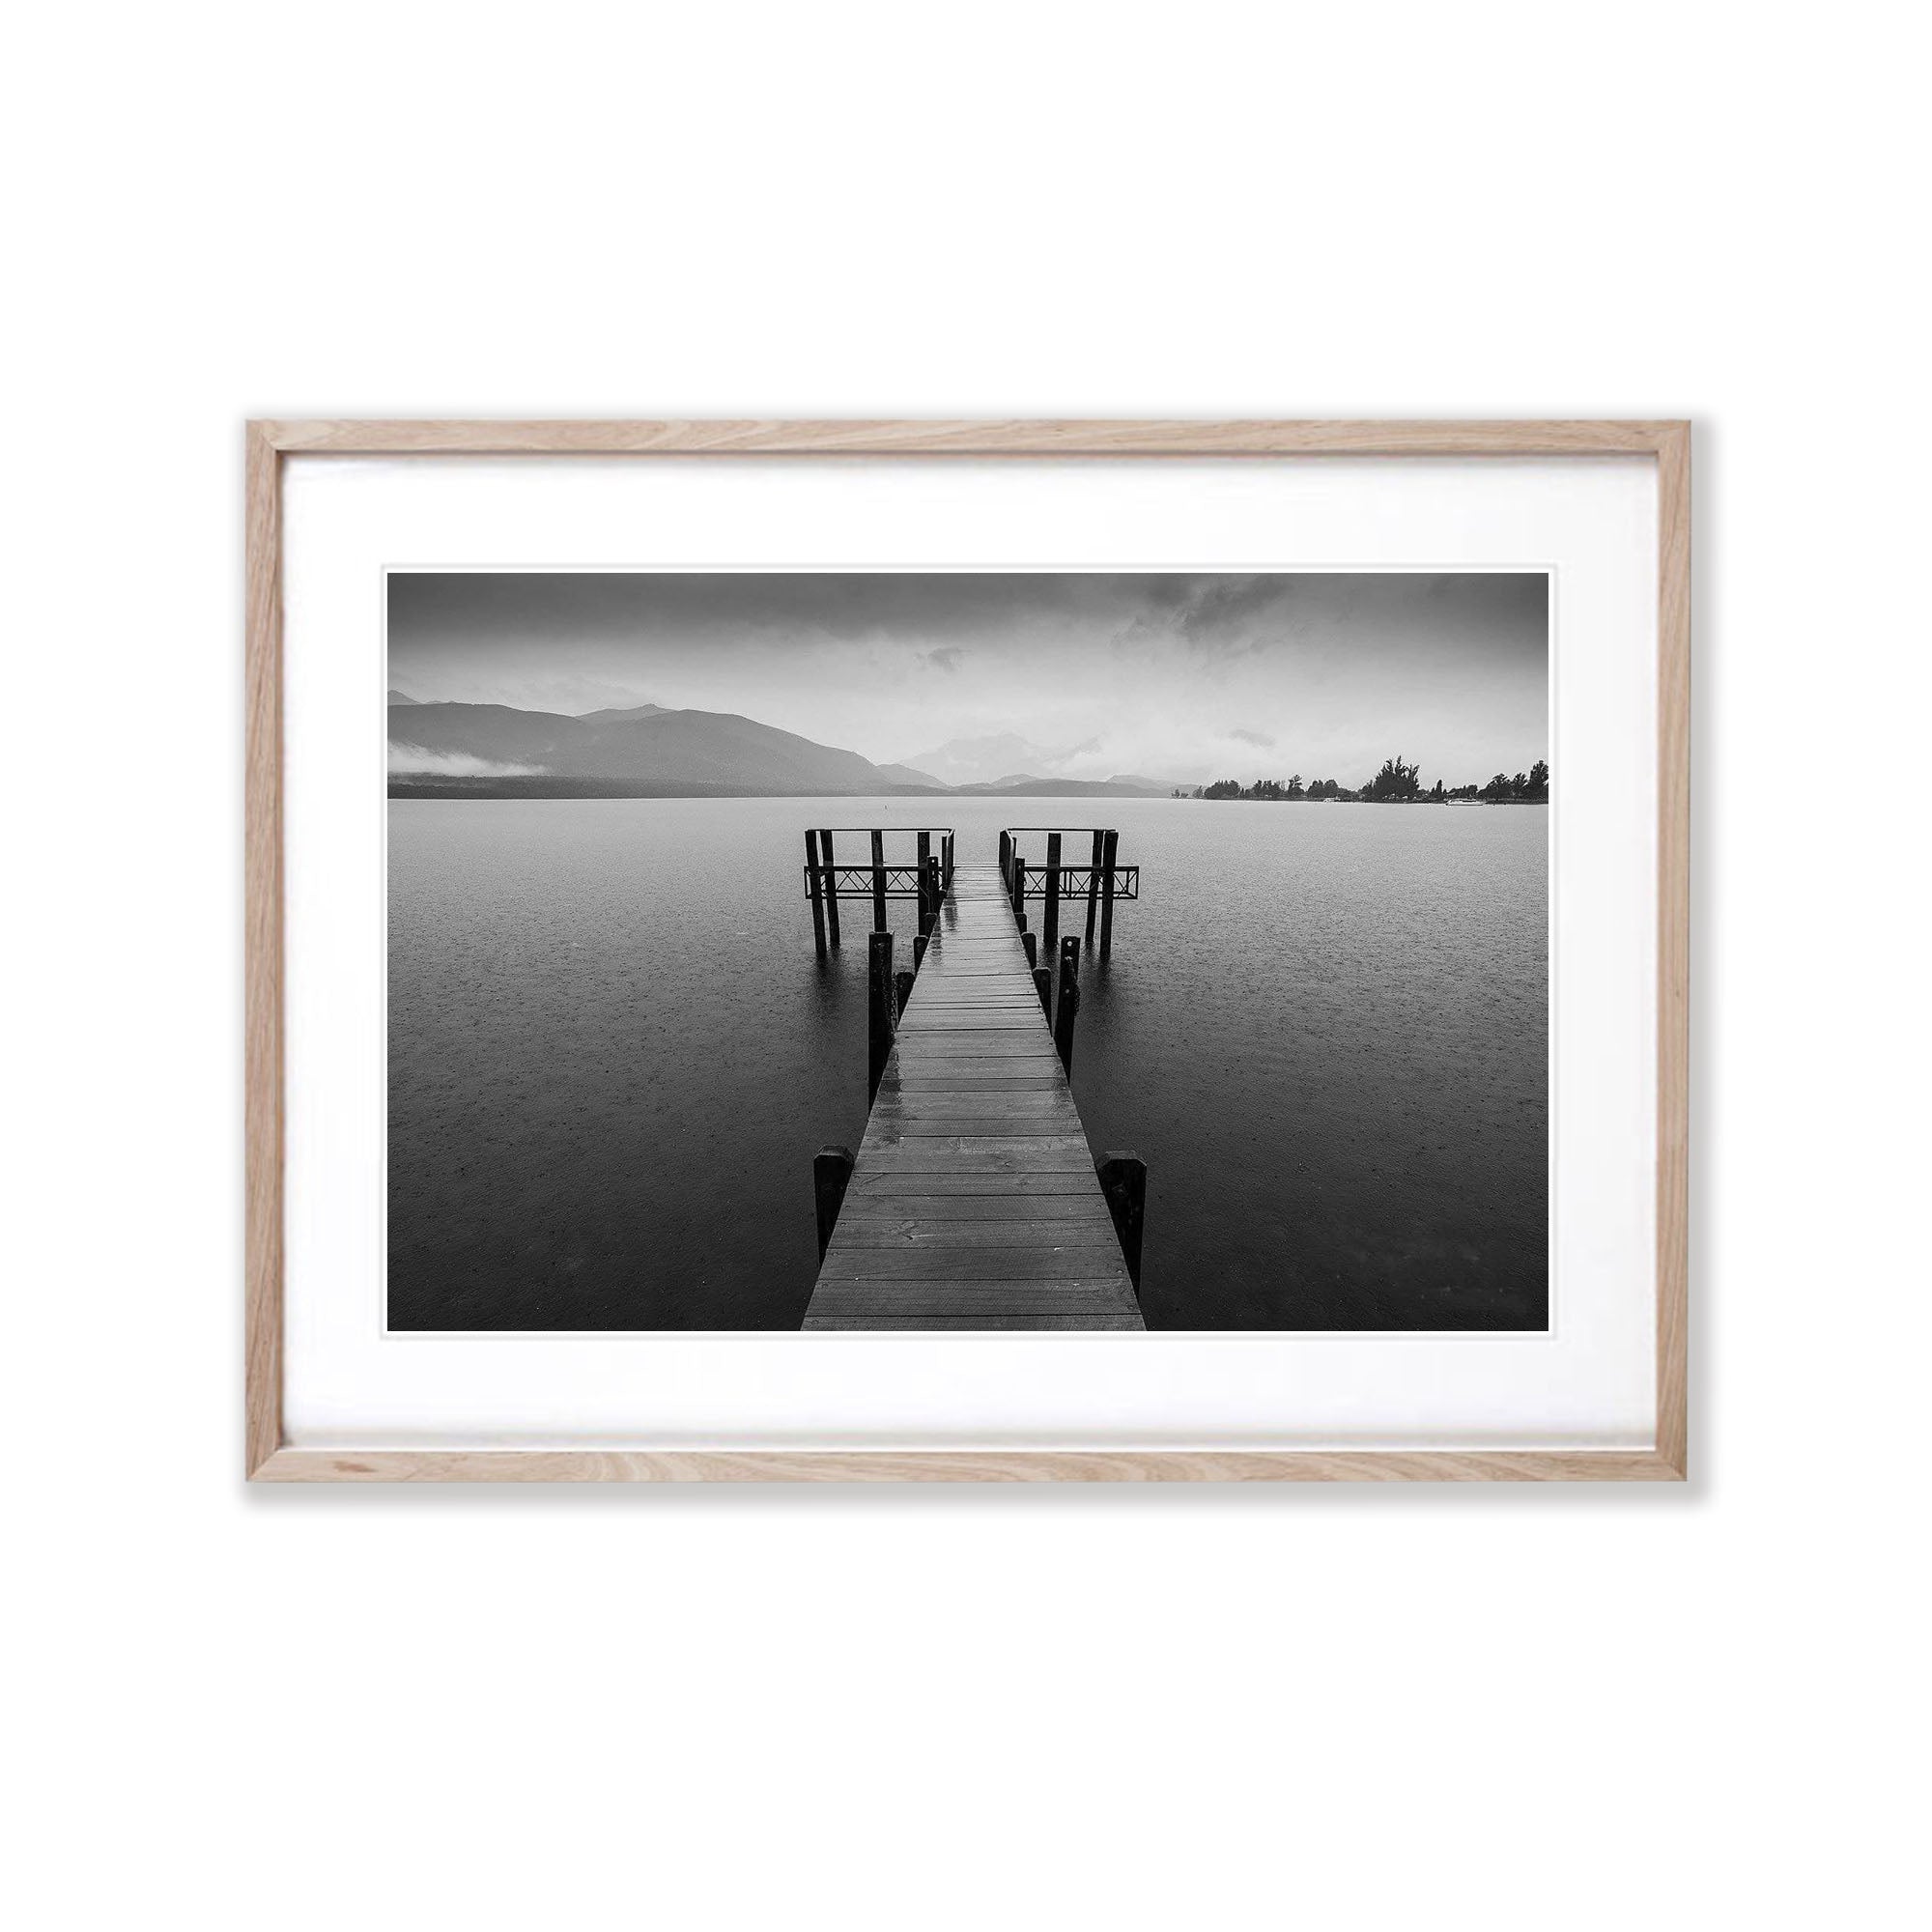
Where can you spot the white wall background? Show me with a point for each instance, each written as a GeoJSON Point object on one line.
{"type": "Point", "coordinates": [1388, 1709]}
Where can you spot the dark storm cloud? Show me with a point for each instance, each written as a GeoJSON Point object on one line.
{"type": "Point", "coordinates": [492, 609]}
{"type": "Point", "coordinates": [1119, 670]}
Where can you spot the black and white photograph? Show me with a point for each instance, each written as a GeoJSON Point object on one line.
{"type": "Point", "coordinates": [968, 950]}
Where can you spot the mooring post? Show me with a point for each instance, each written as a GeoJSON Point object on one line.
{"type": "Point", "coordinates": [1020, 892]}
{"type": "Point", "coordinates": [1093, 890]}
{"type": "Point", "coordinates": [831, 1171]}
{"type": "Point", "coordinates": [831, 885]}
{"type": "Point", "coordinates": [1050, 925]}
{"type": "Point", "coordinates": [878, 880]}
{"type": "Point", "coordinates": [1066, 1005]}
{"type": "Point", "coordinates": [1122, 1176]}
{"type": "Point", "coordinates": [1006, 859]}
{"type": "Point", "coordinates": [1066, 1010]}
{"type": "Point", "coordinates": [919, 945]}
{"type": "Point", "coordinates": [1032, 946]}
{"type": "Point", "coordinates": [902, 990]}
{"type": "Point", "coordinates": [1043, 984]}
{"type": "Point", "coordinates": [936, 883]}
{"type": "Point", "coordinates": [948, 888]}
{"type": "Point", "coordinates": [927, 911]}
{"type": "Point", "coordinates": [817, 888]}
{"type": "Point", "coordinates": [1110, 851]}
{"type": "Point", "coordinates": [879, 1015]}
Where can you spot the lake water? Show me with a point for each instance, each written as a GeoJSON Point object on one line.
{"type": "Point", "coordinates": [612, 1055]}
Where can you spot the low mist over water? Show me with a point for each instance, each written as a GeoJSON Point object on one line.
{"type": "Point", "coordinates": [612, 1056]}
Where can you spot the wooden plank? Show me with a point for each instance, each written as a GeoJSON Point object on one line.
{"type": "Point", "coordinates": [974, 1019]}
{"type": "Point", "coordinates": [935, 1016]}
{"type": "Point", "coordinates": [953, 1067]}
{"type": "Point", "coordinates": [974, 1158]}
{"type": "Point", "coordinates": [986, 994]}
{"type": "Point", "coordinates": [990, 1264]}
{"type": "Point", "coordinates": [1014, 1103]}
{"type": "Point", "coordinates": [1002, 1250]}
{"type": "Point", "coordinates": [926, 1064]}
{"type": "Point", "coordinates": [919, 1295]}
{"type": "Point", "coordinates": [970, 988]}
{"type": "Point", "coordinates": [976, 1083]}
{"type": "Point", "coordinates": [1011, 1177]}
{"type": "Point", "coordinates": [997, 1205]}
{"type": "Point", "coordinates": [944, 1113]}
{"type": "Point", "coordinates": [937, 1049]}
{"type": "Point", "coordinates": [912, 1298]}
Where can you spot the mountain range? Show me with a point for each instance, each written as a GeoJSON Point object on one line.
{"type": "Point", "coordinates": [1006, 762]}
{"type": "Point", "coordinates": [649, 750]}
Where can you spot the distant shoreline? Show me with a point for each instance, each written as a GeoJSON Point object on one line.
{"type": "Point", "coordinates": [619, 788]}
{"type": "Point", "coordinates": [1425, 800]}
{"type": "Point", "coordinates": [401, 787]}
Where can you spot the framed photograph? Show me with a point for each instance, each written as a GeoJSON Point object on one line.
{"type": "Point", "coordinates": [967, 951]}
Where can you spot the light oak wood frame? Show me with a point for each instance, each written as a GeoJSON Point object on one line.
{"type": "Point", "coordinates": [268, 1459]}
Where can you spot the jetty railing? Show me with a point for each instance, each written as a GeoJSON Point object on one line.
{"type": "Point", "coordinates": [1102, 881]}
{"type": "Point", "coordinates": [926, 877]}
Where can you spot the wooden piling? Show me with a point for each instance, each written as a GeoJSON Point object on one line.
{"type": "Point", "coordinates": [880, 1014]}
{"type": "Point", "coordinates": [926, 909]}
{"type": "Point", "coordinates": [831, 885]}
{"type": "Point", "coordinates": [878, 880]}
{"type": "Point", "coordinates": [1030, 944]}
{"type": "Point", "coordinates": [1066, 1005]}
{"type": "Point", "coordinates": [902, 992]}
{"type": "Point", "coordinates": [831, 1171]}
{"type": "Point", "coordinates": [1122, 1176]}
{"type": "Point", "coordinates": [1043, 984]}
{"type": "Point", "coordinates": [920, 941]}
{"type": "Point", "coordinates": [948, 887]}
{"type": "Point", "coordinates": [1110, 850]}
{"type": "Point", "coordinates": [935, 892]}
{"type": "Point", "coordinates": [1092, 889]}
{"type": "Point", "coordinates": [817, 887]}
{"type": "Point", "coordinates": [1050, 923]}
{"type": "Point", "coordinates": [1020, 892]}
{"type": "Point", "coordinates": [1067, 1010]}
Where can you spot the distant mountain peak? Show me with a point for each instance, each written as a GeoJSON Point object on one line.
{"type": "Point", "coordinates": [402, 697]}
{"type": "Point", "coordinates": [616, 714]}
{"type": "Point", "coordinates": [995, 760]}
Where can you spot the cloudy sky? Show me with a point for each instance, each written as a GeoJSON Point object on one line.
{"type": "Point", "coordinates": [1187, 677]}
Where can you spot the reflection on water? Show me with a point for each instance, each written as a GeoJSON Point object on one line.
{"type": "Point", "coordinates": [612, 1056]}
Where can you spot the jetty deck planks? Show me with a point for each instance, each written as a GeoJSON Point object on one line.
{"type": "Point", "coordinates": [974, 1202]}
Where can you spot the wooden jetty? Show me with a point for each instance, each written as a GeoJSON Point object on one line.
{"type": "Point", "coordinates": [974, 1200]}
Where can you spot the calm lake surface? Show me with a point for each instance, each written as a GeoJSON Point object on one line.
{"type": "Point", "coordinates": [612, 1055]}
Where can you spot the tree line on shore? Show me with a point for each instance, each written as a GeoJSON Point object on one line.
{"type": "Point", "coordinates": [1396, 783]}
